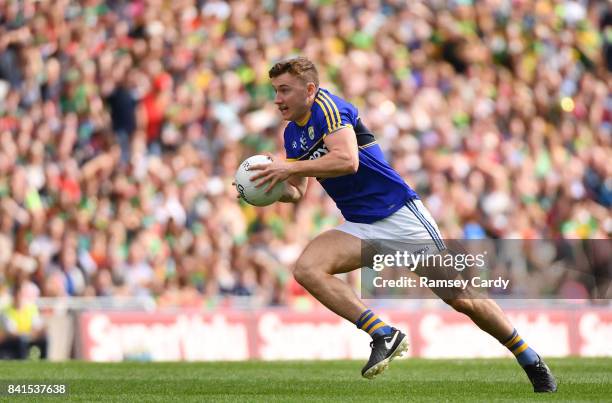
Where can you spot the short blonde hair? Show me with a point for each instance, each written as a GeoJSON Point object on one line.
{"type": "Point", "coordinates": [299, 67]}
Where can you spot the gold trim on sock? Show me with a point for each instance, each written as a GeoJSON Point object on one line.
{"type": "Point", "coordinates": [514, 340]}
{"type": "Point", "coordinates": [369, 322]}
{"type": "Point", "coordinates": [378, 325]}
{"type": "Point", "coordinates": [520, 349]}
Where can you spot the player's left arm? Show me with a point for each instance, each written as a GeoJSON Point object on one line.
{"type": "Point", "coordinates": [295, 188]}
{"type": "Point", "coordinates": [342, 159]}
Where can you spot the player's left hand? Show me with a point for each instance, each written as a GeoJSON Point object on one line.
{"type": "Point", "coordinates": [272, 173]}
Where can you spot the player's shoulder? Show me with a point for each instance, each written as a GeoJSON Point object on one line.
{"type": "Point", "coordinates": [325, 101]}
{"type": "Point", "coordinates": [332, 111]}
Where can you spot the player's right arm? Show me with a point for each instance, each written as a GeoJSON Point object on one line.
{"type": "Point", "coordinates": [295, 187]}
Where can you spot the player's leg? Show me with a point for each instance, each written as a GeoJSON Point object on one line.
{"type": "Point", "coordinates": [485, 312]}
{"type": "Point", "coordinates": [330, 253]}
{"type": "Point", "coordinates": [488, 316]}
{"type": "Point", "coordinates": [335, 252]}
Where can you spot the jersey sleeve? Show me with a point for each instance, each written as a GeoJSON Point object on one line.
{"type": "Point", "coordinates": [333, 113]}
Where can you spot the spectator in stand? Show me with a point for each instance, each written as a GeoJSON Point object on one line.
{"type": "Point", "coordinates": [22, 327]}
{"type": "Point", "coordinates": [121, 125]}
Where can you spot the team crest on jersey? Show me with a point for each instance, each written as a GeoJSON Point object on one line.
{"type": "Point", "coordinates": [311, 132]}
{"type": "Point", "coordinates": [294, 144]}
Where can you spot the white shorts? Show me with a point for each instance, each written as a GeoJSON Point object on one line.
{"type": "Point", "coordinates": [411, 223]}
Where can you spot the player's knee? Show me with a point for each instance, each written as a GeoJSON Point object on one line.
{"type": "Point", "coordinates": [300, 275]}
{"type": "Point", "coordinates": [303, 271]}
{"type": "Point", "coordinates": [462, 305]}
{"type": "Point", "coordinates": [308, 271]}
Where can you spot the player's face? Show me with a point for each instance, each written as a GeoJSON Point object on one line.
{"type": "Point", "coordinates": [292, 96]}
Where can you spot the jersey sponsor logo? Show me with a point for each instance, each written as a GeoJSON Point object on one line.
{"type": "Point", "coordinates": [318, 153]}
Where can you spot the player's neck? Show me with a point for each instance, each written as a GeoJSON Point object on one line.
{"type": "Point", "coordinates": [301, 121]}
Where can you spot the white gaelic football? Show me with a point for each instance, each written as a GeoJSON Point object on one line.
{"type": "Point", "coordinates": [256, 196]}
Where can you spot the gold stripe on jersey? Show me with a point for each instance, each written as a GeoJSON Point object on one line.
{"type": "Point", "coordinates": [309, 150]}
{"type": "Point", "coordinates": [332, 117]}
{"type": "Point", "coordinates": [333, 108]}
{"type": "Point", "coordinates": [324, 111]}
{"type": "Point", "coordinates": [336, 129]}
{"type": "Point", "coordinates": [368, 145]}
{"type": "Point", "coordinates": [331, 111]}
{"type": "Point", "coordinates": [305, 120]}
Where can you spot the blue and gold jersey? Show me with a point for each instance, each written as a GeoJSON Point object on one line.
{"type": "Point", "coordinates": [375, 191]}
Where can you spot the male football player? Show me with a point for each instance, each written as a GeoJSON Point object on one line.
{"type": "Point", "coordinates": [326, 139]}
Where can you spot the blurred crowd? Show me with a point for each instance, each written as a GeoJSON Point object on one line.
{"type": "Point", "coordinates": [122, 122]}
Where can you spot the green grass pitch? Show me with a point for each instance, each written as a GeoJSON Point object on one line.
{"type": "Point", "coordinates": [580, 379]}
